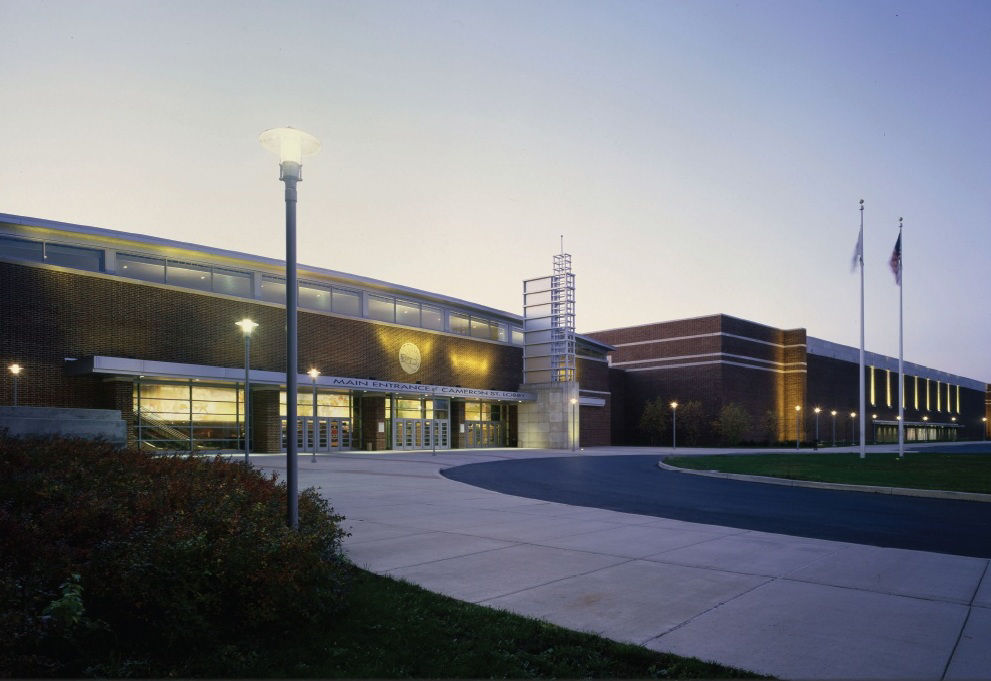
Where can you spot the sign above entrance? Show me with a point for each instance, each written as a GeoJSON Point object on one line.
{"type": "Point", "coordinates": [419, 389]}
{"type": "Point", "coordinates": [409, 358]}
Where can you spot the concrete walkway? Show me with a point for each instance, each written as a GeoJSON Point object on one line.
{"type": "Point", "coordinates": [793, 607]}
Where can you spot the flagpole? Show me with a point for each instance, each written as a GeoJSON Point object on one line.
{"type": "Point", "coordinates": [901, 333]}
{"type": "Point", "coordinates": [863, 420]}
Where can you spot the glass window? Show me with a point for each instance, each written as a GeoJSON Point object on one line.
{"type": "Point", "coordinates": [473, 411]}
{"type": "Point", "coordinates": [432, 318]}
{"type": "Point", "coordinates": [188, 275]}
{"type": "Point", "coordinates": [337, 405]}
{"type": "Point", "coordinates": [441, 407]}
{"type": "Point", "coordinates": [347, 302]}
{"type": "Point", "coordinates": [21, 248]}
{"type": "Point", "coordinates": [409, 409]}
{"type": "Point", "coordinates": [72, 256]}
{"type": "Point", "coordinates": [407, 313]}
{"type": "Point", "coordinates": [314, 296]}
{"type": "Point", "coordinates": [459, 324]}
{"type": "Point", "coordinates": [382, 309]}
{"type": "Point", "coordinates": [273, 289]}
{"type": "Point", "coordinates": [141, 267]}
{"type": "Point", "coordinates": [232, 283]}
{"type": "Point", "coordinates": [517, 336]}
{"type": "Point", "coordinates": [481, 328]}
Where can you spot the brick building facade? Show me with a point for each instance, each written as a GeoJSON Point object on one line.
{"type": "Point", "coordinates": [718, 360]}
{"type": "Point", "coordinates": [105, 319]}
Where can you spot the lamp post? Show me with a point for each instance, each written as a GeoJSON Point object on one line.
{"type": "Point", "coordinates": [833, 413]}
{"type": "Point", "coordinates": [313, 376]}
{"type": "Point", "coordinates": [15, 370]}
{"type": "Point", "coordinates": [674, 426]}
{"type": "Point", "coordinates": [798, 425]}
{"type": "Point", "coordinates": [817, 410]}
{"type": "Point", "coordinates": [291, 145]}
{"type": "Point", "coordinates": [247, 326]}
{"type": "Point", "coordinates": [574, 425]}
{"type": "Point", "coordinates": [853, 421]}
{"type": "Point", "coordinates": [984, 427]}
{"type": "Point", "coordinates": [874, 428]}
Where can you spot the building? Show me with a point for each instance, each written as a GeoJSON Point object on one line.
{"type": "Point", "coordinates": [105, 319]}
{"type": "Point", "coordinates": [719, 359]}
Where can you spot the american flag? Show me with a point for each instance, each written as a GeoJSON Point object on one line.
{"type": "Point", "coordinates": [896, 260]}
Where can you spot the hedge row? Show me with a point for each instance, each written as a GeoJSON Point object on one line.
{"type": "Point", "coordinates": [117, 563]}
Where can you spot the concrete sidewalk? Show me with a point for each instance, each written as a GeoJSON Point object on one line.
{"type": "Point", "coordinates": [793, 607]}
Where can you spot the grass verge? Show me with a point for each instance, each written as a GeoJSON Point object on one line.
{"type": "Point", "coordinates": [955, 472]}
{"type": "Point", "coordinates": [393, 629]}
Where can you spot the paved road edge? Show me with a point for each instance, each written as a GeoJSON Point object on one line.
{"type": "Point", "coordinates": [901, 491]}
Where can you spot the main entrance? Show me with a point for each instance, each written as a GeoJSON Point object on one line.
{"type": "Point", "coordinates": [483, 434]}
{"type": "Point", "coordinates": [420, 423]}
{"type": "Point", "coordinates": [421, 434]}
{"type": "Point", "coordinates": [332, 434]}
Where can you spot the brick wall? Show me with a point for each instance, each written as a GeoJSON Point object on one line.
{"type": "Point", "coordinates": [49, 315]}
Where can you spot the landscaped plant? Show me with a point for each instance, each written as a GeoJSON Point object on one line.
{"type": "Point", "coordinates": [732, 424]}
{"type": "Point", "coordinates": [114, 562]}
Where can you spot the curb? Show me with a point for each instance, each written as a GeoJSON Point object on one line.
{"type": "Point", "coordinates": [900, 491]}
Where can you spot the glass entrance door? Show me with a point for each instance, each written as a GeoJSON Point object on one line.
{"type": "Point", "coordinates": [421, 434]}
{"type": "Point", "coordinates": [332, 434]}
{"type": "Point", "coordinates": [483, 434]}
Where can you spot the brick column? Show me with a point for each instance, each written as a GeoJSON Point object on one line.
{"type": "Point", "coordinates": [457, 420]}
{"type": "Point", "coordinates": [266, 423]}
{"type": "Point", "coordinates": [120, 396]}
{"type": "Point", "coordinates": [372, 414]}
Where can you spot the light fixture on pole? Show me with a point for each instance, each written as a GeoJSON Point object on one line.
{"type": "Point", "coordinates": [833, 413]}
{"type": "Point", "coordinates": [798, 425]}
{"type": "Point", "coordinates": [853, 421]}
{"type": "Point", "coordinates": [247, 326]}
{"type": "Point", "coordinates": [313, 376]}
{"type": "Point", "coordinates": [574, 426]}
{"type": "Point", "coordinates": [15, 370]}
{"type": "Point", "coordinates": [674, 426]}
{"type": "Point", "coordinates": [984, 427]}
{"type": "Point", "coordinates": [291, 145]}
{"type": "Point", "coordinates": [817, 410]}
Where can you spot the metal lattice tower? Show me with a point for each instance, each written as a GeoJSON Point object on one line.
{"type": "Point", "coordinates": [549, 325]}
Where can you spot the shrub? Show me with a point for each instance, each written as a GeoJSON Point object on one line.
{"type": "Point", "coordinates": [732, 424]}
{"type": "Point", "coordinates": [115, 562]}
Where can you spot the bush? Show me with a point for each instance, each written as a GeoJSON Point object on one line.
{"type": "Point", "coordinates": [114, 562]}
{"type": "Point", "coordinates": [732, 424]}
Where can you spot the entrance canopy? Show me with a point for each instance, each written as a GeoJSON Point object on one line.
{"type": "Point", "coordinates": [145, 368]}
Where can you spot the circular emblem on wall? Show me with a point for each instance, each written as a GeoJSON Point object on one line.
{"type": "Point", "coordinates": [409, 358]}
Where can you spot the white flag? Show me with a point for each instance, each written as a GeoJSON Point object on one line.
{"type": "Point", "coordinates": [858, 252]}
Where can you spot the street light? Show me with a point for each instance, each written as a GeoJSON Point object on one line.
{"type": "Point", "coordinates": [833, 414]}
{"type": "Point", "coordinates": [574, 434]}
{"type": "Point", "coordinates": [291, 145]}
{"type": "Point", "coordinates": [674, 426]}
{"type": "Point", "coordinates": [984, 427]}
{"type": "Point", "coordinates": [313, 375]}
{"type": "Point", "coordinates": [15, 370]}
{"type": "Point", "coordinates": [798, 425]}
{"type": "Point", "coordinates": [817, 410]}
{"type": "Point", "coordinates": [247, 326]}
{"type": "Point", "coordinates": [853, 420]}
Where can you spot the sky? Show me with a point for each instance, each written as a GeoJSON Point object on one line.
{"type": "Point", "coordinates": [698, 157]}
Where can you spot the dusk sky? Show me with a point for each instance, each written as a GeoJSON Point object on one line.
{"type": "Point", "coordinates": [699, 157]}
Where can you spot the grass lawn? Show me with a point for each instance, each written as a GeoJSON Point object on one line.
{"type": "Point", "coordinates": [393, 629]}
{"type": "Point", "coordinates": [957, 472]}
